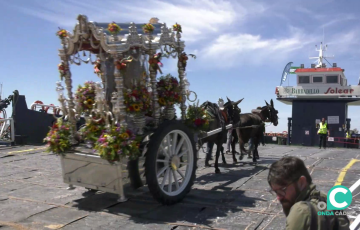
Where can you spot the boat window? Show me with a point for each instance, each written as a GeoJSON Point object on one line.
{"type": "Point", "coordinates": [317, 79]}
{"type": "Point", "coordinates": [304, 79]}
{"type": "Point", "coordinates": [341, 81]}
{"type": "Point", "coordinates": [332, 79]}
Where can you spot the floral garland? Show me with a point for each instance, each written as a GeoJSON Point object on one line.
{"type": "Point", "coordinates": [93, 129]}
{"type": "Point", "coordinates": [137, 99]}
{"type": "Point", "coordinates": [184, 57]}
{"type": "Point", "coordinates": [155, 62]}
{"type": "Point", "coordinates": [97, 68]}
{"type": "Point", "coordinates": [58, 137]}
{"type": "Point", "coordinates": [148, 28]}
{"type": "Point", "coordinates": [169, 91]}
{"type": "Point", "coordinates": [177, 28]}
{"type": "Point", "coordinates": [116, 143]}
{"type": "Point", "coordinates": [85, 96]}
{"type": "Point", "coordinates": [114, 28]}
{"type": "Point", "coordinates": [62, 70]}
{"type": "Point", "coordinates": [197, 118]}
{"type": "Point", "coordinates": [62, 33]}
{"type": "Point", "coordinates": [122, 64]}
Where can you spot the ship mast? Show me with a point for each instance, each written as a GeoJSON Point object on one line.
{"type": "Point", "coordinates": [321, 57]}
{"type": "Point", "coordinates": [321, 51]}
{"type": "Point", "coordinates": [0, 90]}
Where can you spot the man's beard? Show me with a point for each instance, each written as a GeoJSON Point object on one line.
{"type": "Point", "coordinates": [287, 204]}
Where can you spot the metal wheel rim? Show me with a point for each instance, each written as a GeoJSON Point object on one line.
{"type": "Point", "coordinates": [168, 172]}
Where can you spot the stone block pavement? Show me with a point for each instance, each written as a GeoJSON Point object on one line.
{"type": "Point", "coordinates": [33, 195]}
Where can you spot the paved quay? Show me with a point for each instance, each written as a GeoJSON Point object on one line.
{"type": "Point", "coordinates": [33, 196]}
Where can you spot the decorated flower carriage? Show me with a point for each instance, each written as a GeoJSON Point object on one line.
{"type": "Point", "coordinates": [131, 131]}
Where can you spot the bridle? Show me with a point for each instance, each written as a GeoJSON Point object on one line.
{"type": "Point", "coordinates": [272, 113]}
{"type": "Point", "coordinates": [234, 110]}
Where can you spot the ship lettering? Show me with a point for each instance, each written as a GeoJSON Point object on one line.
{"type": "Point", "coordinates": [339, 91]}
{"type": "Point", "coordinates": [304, 91]}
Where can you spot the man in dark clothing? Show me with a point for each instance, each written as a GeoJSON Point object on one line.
{"type": "Point", "coordinates": [291, 182]}
{"type": "Point", "coordinates": [263, 134]}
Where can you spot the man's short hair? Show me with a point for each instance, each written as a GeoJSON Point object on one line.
{"type": "Point", "coordinates": [287, 170]}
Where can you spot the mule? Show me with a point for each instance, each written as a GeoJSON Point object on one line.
{"type": "Point", "coordinates": [220, 119]}
{"type": "Point", "coordinates": [257, 118]}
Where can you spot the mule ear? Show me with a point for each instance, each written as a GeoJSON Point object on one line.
{"type": "Point", "coordinates": [236, 103]}
{"type": "Point", "coordinates": [272, 103]}
{"type": "Point", "coordinates": [230, 102]}
{"type": "Point", "coordinates": [266, 103]}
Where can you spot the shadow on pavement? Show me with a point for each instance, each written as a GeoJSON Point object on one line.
{"type": "Point", "coordinates": [211, 198]}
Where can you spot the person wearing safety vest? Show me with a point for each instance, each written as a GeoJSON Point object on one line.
{"type": "Point", "coordinates": [323, 131]}
{"type": "Point", "coordinates": [348, 136]}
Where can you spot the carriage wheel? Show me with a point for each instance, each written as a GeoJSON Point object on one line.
{"type": "Point", "coordinates": [170, 162]}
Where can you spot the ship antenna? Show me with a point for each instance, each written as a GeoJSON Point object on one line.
{"type": "Point", "coordinates": [0, 90]}
{"type": "Point", "coordinates": [321, 51]}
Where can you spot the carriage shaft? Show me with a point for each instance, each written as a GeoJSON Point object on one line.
{"type": "Point", "coordinates": [216, 131]}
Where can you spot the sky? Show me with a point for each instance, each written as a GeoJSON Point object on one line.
{"type": "Point", "coordinates": [241, 46]}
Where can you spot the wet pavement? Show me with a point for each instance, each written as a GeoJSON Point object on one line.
{"type": "Point", "coordinates": [33, 195]}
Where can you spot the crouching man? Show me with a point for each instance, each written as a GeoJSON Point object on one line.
{"type": "Point", "coordinates": [291, 183]}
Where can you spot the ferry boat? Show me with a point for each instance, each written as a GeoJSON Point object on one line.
{"type": "Point", "coordinates": [321, 92]}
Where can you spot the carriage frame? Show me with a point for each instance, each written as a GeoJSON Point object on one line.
{"type": "Point", "coordinates": [167, 146]}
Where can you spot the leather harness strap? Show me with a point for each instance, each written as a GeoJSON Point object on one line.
{"type": "Point", "coordinates": [224, 115]}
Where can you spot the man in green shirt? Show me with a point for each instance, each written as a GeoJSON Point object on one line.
{"type": "Point", "coordinates": [292, 184]}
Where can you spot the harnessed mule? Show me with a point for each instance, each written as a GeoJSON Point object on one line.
{"type": "Point", "coordinates": [256, 118]}
{"type": "Point", "coordinates": [219, 119]}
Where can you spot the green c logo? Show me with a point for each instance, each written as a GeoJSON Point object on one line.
{"type": "Point", "coordinates": [338, 198]}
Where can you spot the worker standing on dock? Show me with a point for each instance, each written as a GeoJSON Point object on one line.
{"type": "Point", "coordinates": [323, 132]}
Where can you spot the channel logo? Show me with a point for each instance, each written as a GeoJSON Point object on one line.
{"type": "Point", "coordinates": [338, 198]}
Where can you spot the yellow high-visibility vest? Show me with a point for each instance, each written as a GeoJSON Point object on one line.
{"type": "Point", "coordinates": [348, 134]}
{"type": "Point", "coordinates": [323, 128]}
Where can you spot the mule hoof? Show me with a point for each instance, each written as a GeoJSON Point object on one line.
{"type": "Point", "coordinates": [254, 160]}
{"type": "Point", "coordinates": [207, 164]}
{"type": "Point", "coordinates": [224, 162]}
{"type": "Point", "coordinates": [217, 171]}
{"type": "Point", "coordinates": [241, 157]}
{"type": "Point", "coordinates": [235, 161]}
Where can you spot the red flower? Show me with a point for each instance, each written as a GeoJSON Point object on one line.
{"type": "Point", "coordinates": [198, 122]}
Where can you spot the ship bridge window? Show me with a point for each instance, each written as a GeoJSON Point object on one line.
{"type": "Point", "coordinates": [332, 79]}
{"type": "Point", "coordinates": [317, 79]}
{"type": "Point", "coordinates": [304, 79]}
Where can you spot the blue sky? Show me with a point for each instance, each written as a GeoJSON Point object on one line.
{"type": "Point", "coordinates": [242, 47]}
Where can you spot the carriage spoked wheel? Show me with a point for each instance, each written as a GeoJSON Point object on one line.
{"type": "Point", "coordinates": [170, 162]}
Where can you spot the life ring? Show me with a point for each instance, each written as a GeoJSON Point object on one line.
{"type": "Point", "coordinates": [277, 91]}
{"type": "Point", "coordinates": [47, 108]}
{"type": "Point", "coordinates": [33, 107]}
